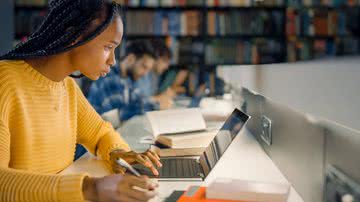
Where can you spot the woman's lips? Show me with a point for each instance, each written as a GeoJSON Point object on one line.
{"type": "Point", "coordinates": [105, 72]}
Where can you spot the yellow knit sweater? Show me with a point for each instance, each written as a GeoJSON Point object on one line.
{"type": "Point", "coordinates": [40, 122]}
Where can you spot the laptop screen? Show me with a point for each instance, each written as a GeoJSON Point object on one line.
{"type": "Point", "coordinates": [222, 140]}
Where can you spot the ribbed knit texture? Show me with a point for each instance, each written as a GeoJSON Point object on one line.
{"type": "Point", "coordinates": [40, 123]}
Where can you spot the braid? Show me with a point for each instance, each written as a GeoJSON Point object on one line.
{"type": "Point", "coordinates": [49, 19]}
{"type": "Point", "coordinates": [55, 3]}
{"type": "Point", "coordinates": [55, 22]}
{"type": "Point", "coordinates": [65, 23]}
{"type": "Point", "coordinates": [69, 37]}
{"type": "Point", "coordinates": [41, 39]}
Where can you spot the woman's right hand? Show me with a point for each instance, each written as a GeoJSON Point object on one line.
{"type": "Point", "coordinates": [119, 188]}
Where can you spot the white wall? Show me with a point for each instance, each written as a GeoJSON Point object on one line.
{"type": "Point", "coordinates": [328, 88]}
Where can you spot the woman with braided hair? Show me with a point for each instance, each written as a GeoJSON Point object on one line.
{"type": "Point", "coordinates": [43, 113]}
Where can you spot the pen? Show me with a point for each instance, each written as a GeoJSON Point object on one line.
{"type": "Point", "coordinates": [126, 165]}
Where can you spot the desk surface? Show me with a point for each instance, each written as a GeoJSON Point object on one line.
{"type": "Point", "coordinates": [244, 159]}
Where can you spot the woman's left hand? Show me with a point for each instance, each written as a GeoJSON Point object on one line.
{"type": "Point", "coordinates": [147, 159]}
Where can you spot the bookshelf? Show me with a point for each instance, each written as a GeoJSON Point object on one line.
{"type": "Point", "coordinates": [28, 16]}
{"type": "Point", "coordinates": [204, 34]}
{"type": "Point", "coordinates": [322, 28]}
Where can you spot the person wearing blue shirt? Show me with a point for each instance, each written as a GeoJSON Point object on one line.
{"type": "Point", "coordinates": [149, 84]}
{"type": "Point", "coordinates": [118, 90]}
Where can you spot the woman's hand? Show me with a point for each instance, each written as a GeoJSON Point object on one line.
{"type": "Point", "coordinates": [147, 159]}
{"type": "Point", "coordinates": [119, 188]}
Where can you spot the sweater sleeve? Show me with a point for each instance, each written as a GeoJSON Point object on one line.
{"type": "Point", "coordinates": [18, 185]}
{"type": "Point", "coordinates": [98, 136]}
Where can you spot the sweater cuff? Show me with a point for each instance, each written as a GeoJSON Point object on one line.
{"type": "Point", "coordinates": [70, 188]}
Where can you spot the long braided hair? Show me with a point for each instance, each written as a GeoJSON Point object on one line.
{"type": "Point", "coordinates": [68, 24]}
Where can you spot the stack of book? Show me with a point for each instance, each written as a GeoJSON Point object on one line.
{"type": "Point", "coordinates": [183, 144]}
{"type": "Point", "coordinates": [180, 132]}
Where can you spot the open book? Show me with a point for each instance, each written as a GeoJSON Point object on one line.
{"type": "Point", "coordinates": [176, 121]}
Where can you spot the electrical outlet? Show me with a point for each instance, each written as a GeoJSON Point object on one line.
{"type": "Point", "coordinates": [266, 133]}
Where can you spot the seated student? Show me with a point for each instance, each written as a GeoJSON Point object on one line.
{"type": "Point", "coordinates": [43, 113]}
{"type": "Point", "coordinates": [118, 90]}
{"type": "Point", "coordinates": [149, 84]}
{"type": "Point", "coordinates": [175, 80]}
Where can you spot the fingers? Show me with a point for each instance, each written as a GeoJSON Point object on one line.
{"type": "Point", "coordinates": [142, 182]}
{"type": "Point", "coordinates": [148, 159]}
{"type": "Point", "coordinates": [140, 159]}
{"type": "Point", "coordinates": [155, 154]}
{"type": "Point", "coordinates": [147, 163]}
{"type": "Point", "coordinates": [154, 158]}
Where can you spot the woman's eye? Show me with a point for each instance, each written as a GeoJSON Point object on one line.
{"type": "Point", "coordinates": [108, 47]}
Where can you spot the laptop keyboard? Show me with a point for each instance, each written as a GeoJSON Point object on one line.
{"type": "Point", "coordinates": [179, 168]}
{"type": "Point", "coordinates": [174, 168]}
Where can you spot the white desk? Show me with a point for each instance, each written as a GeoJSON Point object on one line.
{"type": "Point", "coordinates": [244, 160]}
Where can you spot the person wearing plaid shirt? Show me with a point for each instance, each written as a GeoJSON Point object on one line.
{"type": "Point", "coordinates": [117, 90]}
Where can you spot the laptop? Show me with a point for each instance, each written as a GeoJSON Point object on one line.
{"type": "Point", "coordinates": [197, 169]}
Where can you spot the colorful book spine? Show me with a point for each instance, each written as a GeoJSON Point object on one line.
{"type": "Point", "coordinates": [186, 23]}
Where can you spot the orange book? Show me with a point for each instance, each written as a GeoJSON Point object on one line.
{"type": "Point", "coordinates": [198, 194]}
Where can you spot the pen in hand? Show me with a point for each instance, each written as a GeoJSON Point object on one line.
{"type": "Point", "coordinates": [126, 165]}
